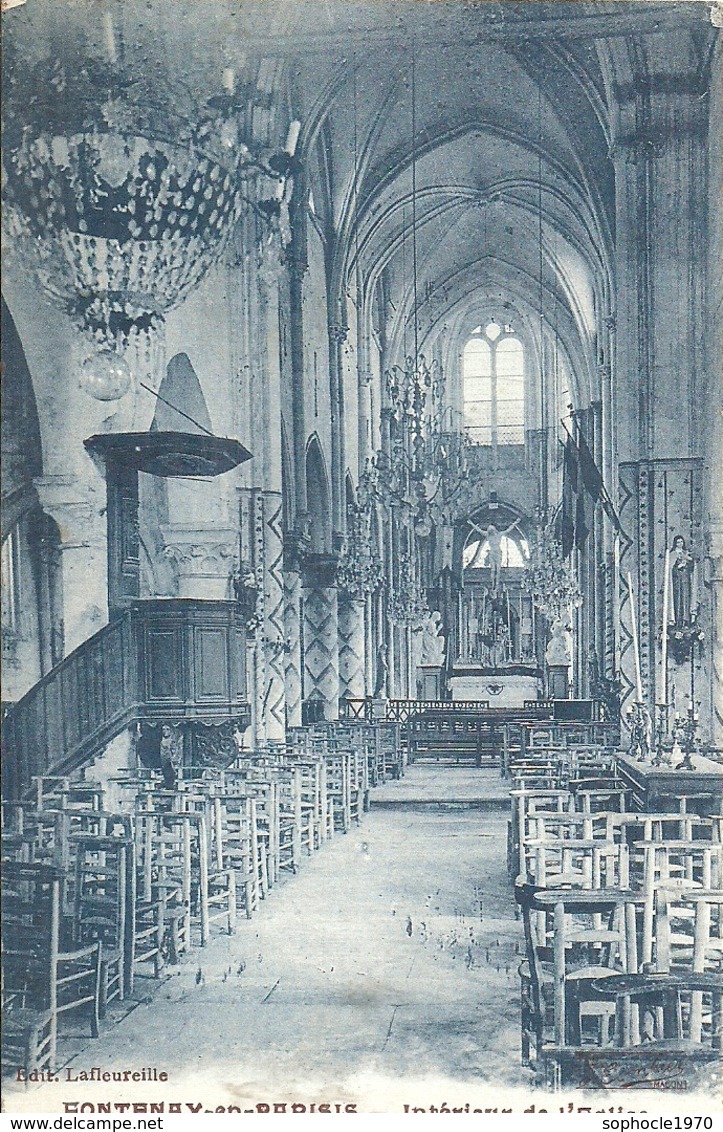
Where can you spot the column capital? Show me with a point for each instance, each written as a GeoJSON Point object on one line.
{"type": "Point", "coordinates": [204, 558]}
{"type": "Point", "coordinates": [76, 507]}
{"type": "Point", "coordinates": [319, 571]}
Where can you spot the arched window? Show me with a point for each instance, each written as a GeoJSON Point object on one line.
{"type": "Point", "coordinates": [494, 385]}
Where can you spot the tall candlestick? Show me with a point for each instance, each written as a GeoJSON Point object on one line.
{"type": "Point", "coordinates": [109, 37]}
{"type": "Point", "coordinates": [663, 699]}
{"type": "Point", "coordinates": [636, 643]}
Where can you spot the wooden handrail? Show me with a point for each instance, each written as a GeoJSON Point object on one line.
{"type": "Point", "coordinates": [172, 660]}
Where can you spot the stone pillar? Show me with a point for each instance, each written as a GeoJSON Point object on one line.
{"type": "Point", "coordinates": [268, 556]}
{"type": "Point", "coordinates": [321, 633]}
{"type": "Point", "coordinates": [204, 560]}
{"type": "Point", "coordinates": [337, 338]}
{"type": "Point", "coordinates": [351, 647]}
{"type": "Point", "coordinates": [714, 579]}
{"type": "Point", "coordinates": [79, 514]}
{"type": "Point", "coordinates": [292, 633]}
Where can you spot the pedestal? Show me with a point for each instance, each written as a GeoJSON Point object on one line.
{"type": "Point", "coordinates": [558, 683]}
{"type": "Point", "coordinates": [429, 681]}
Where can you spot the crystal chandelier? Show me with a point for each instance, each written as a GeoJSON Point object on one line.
{"type": "Point", "coordinates": [122, 192]}
{"type": "Point", "coordinates": [425, 475]}
{"type": "Point", "coordinates": [359, 570]}
{"type": "Point", "coordinates": [548, 578]}
{"type": "Point", "coordinates": [407, 605]}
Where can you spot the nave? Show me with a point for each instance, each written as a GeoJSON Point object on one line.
{"type": "Point", "coordinates": [391, 958]}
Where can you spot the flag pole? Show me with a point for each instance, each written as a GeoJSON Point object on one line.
{"type": "Point", "coordinates": [604, 493]}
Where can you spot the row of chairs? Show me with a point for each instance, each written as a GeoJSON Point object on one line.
{"type": "Point", "coordinates": [529, 741]}
{"type": "Point", "coordinates": [623, 922]}
{"type": "Point", "coordinates": [106, 883]}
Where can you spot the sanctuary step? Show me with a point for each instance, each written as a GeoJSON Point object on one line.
{"type": "Point", "coordinates": [428, 787]}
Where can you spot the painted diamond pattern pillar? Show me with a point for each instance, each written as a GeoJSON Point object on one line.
{"type": "Point", "coordinates": [351, 648]}
{"type": "Point", "coordinates": [274, 695]}
{"type": "Point", "coordinates": [321, 647]}
{"type": "Point", "coordinates": [292, 632]}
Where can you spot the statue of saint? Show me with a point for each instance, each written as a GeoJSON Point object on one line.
{"type": "Point", "coordinates": [433, 642]}
{"type": "Point", "coordinates": [682, 567]}
{"type": "Point", "coordinates": [558, 650]}
{"type": "Point", "coordinates": [382, 668]}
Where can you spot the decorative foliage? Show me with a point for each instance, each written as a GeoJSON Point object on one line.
{"type": "Point", "coordinates": [549, 578]}
{"type": "Point", "coordinates": [682, 639]}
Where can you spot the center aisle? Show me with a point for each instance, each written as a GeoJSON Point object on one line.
{"type": "Point", "coordinates": [394, 952]}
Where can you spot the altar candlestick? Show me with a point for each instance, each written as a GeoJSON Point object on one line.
{"type": "Point", "coordinates": [664, 646]}
{"type": "Point", "coordinates": [109, 37]}
{"type": "Point", "coordinates": [636, 643]}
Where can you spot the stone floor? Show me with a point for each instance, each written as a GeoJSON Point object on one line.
{"type": "Point", "coordinates": [390, 959]}
{"type": "Point", "coordinates": [436, 784]}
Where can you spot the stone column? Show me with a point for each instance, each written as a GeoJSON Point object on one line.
{"type": "Point", "coordinates": [659, 149]}
{"type": "Point", "coordinates": [79, 514]}
{"type": "Point", "coordinates": [321, 633]}
{"type": "Point", "coordinates": [714, 569]}
{"type": "Point", "coordinates": [337, 338]}
{"type": "Point", "coordinates": [292, 633]}
{"type": "Point", "coordinates": [351, 647]}
{"type": "Point", "coordinates": [268, 557]}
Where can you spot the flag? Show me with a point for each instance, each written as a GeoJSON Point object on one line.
{"type": "Point", "coordinates": [569, 497]}
{"type": "Point", "coordinates": [593, 481]}
{"type": "Point", "coordinates": [589, 471]}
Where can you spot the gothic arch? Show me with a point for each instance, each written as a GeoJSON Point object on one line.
{"type": "Point", "coordinates": [319, 498]}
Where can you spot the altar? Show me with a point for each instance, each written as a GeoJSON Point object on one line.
{"type": "Point", "coordinates": [509, 686]}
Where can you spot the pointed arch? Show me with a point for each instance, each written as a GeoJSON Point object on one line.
{"type": "Point", "coordinates": [319, 496]}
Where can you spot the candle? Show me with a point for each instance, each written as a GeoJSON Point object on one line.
{"type": "Point", "coordinates": [292, 137]}
{"type": "Point", "coordinates": [636, 643]}
{"type": "Point", "coordinates": [664, 644]}
{"type": "Point", "coordinates": [109, 37]}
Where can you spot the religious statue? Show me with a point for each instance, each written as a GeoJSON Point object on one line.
{"type": "Point", "coordinates": [493, 540]}
{"type": "Point", "coordinates": [170, 757]}
{"type": "Point", "coordinates": [682, 567]}
{"type": "Point", "coordinates": [558, 649]}
{"type": "Point", "coordinates": [433, 642]}
{"type": "Point", "coordinates": [382, 668]}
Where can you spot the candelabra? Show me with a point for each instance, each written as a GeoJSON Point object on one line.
{"type": "Point", "coordinates": [661, 733]}
{"type": "Point", "coordinates": [686, 734]}
{"type": "Point", "coordinates": [359, 571]}
{"type": "Point", "coordinates": [424, 474]}
{"type": "Point", "coordinates": [407, 605]}
{"type": "Point", "coordinates": [640, 726]}
{"type": "Point", "coordinates": [548, 578]}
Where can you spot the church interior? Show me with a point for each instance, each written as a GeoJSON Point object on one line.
{"type": "Point", "coordinates": [362, 547]}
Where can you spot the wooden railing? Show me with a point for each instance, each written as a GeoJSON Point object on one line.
{"type": "Point", "coordinates": [175, 660]}
{"type": "Point", "coordinates": [400, 711]}
{"type": "Point", "coordinates": [78, 706]}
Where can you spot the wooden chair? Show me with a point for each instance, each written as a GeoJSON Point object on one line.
{"type": "Point", "coordinates": [573, 939]}
{"type": "Point", "coordinates": [42, 978]}
{"type": "Point", "coordinates": [101, 909]}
